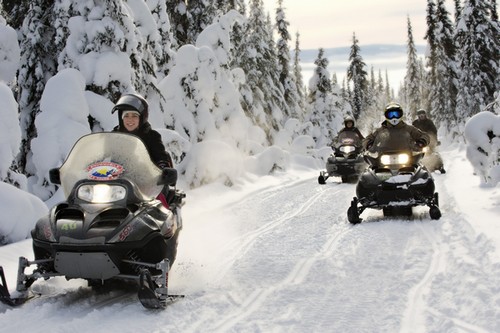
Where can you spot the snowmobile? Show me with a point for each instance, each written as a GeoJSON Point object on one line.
{"type": "Point", "coordinates": [395, 181]}
{"type": "Point", "coordinates": [346, 161]}
{"type": "Point", "coordinates": [432, 159]}
{"type": "Point", "coordinates": [110, 227]}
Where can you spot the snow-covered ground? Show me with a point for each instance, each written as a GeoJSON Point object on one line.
{"type": "Point", "coordinates": [276, 254]}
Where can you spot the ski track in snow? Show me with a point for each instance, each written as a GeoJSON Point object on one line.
{"type": "Point", "coordinates": [287, 260]}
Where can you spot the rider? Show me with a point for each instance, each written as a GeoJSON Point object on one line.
{"type": "Point", "coordinates": [350, 125]}
{"type": "Point", "coordinates": [425, 124]}
{"type": "Point", "coordinates": [133, 111]}
{"type": "Point", "coordinates": [394, 133]}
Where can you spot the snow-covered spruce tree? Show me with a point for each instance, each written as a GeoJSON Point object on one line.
{"type": "Point", "coordinates": [326, 121]}
{"type": "Point", "coordinates": [14, 12]}
{"type": "Point", "coordinates": [205, 110]}
{"type": "Point", "coordinates": [258, 61]}
{"type": "Point", "coordinates": [297, 72]}
{"type": "Point", "coordinates": [286, 77]}
{"type": "Point", "coordinates": [444, 91]}
{"type": "Point", "coordinates": [430, 57]}
{"type": "Point", "coordinates": [179, 20]}
{"type": "Point", "coordinates": [9, 126]}
{"type": "Point", "coordinates": [482, 133]}
{"type": "Point", "coordinates": [165, 57]}
{"type": "Point", "coordinates": [478, 58]}
{"type": "Point", "coordinates": [38, 63]}
{"type": "Point", "coordinates": [413, 80]}
{"type": "Point", "coordinates": [117, 48]}
{"type": "Point", "coordinates": [201, 14]}
{"type": "Point", "coordinates": [357, 77]}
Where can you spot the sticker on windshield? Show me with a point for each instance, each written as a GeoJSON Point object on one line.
{"type": "Point", "coordinates": [104, 171]}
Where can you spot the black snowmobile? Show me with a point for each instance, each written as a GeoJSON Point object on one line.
{"type": "Point", "coordinates": [110, 227]}
{"type": "Point", "coordinates": [395, 181]}
{"type": "Point", "coordinates": [346, 161]}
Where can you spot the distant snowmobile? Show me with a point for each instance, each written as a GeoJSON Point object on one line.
{"type": "Point", "coordinates": [110, 227]}
{"type": "Point", "coordinates": [395, 181]}
{"type": "Point", "coordinates": [346, 160]}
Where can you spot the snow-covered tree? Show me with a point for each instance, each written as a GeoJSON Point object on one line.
{"type": "Point", "coordinates": [179, 19]}
{"type": "Point", "coordinates": [482, 133]}
{"type": "Point", "coordinates": [201, 14]}
{"type": "Point", "coordinates": [357, 76]}
{"type": "Point", "coordinates": [413, 80]}
{"type": "Point", "coordinates": [286, 77]}
{"type": "Point", "coordinates": [325, 119]}
{"type": "Point", "coordinates": [297, 73]}
{"type": "Point", "coordinates": [38, 63]}
{"type": "Point", "coordinates": [478, 58]}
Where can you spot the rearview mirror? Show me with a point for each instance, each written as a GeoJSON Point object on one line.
{"type": "Point", "coordinates": [55, 176]}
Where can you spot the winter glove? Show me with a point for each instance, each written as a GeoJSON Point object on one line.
{"type": "Point", "coordinates": [421, 143]}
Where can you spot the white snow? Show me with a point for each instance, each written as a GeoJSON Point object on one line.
{"type": "Point", "coordinates": [276, 253]}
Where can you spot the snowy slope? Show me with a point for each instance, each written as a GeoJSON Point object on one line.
{"type": "Point", "coordinates": [276, 254]}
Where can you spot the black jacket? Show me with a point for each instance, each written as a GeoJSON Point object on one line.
{"type": "Point", "coordinates": [395, 137]}
{"type": "Point", "coordinates": [153, 143]}
{"type": "Point", "coordinates": [425, 125]}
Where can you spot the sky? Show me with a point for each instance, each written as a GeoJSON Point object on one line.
{"type": "Point", "coordinates": [331, 23]}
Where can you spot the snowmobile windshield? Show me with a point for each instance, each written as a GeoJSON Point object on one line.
{"type": "Point", "coordinates": [108, 156]}
{"type": "Point", "coordinates": [348, 138]}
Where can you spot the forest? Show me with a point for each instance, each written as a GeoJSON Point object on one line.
{"type": "Point", "coordinates": [219, 71]}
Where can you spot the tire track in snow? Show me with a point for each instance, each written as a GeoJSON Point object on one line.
{"type": "Point", "coordinates": [256, 298]}
{"type": "Point", "coordinates": [297, 275]}
{"type": "Point", "coordinates": [414, 315]}
{"type": "Point", "coordinates": [243, 243]}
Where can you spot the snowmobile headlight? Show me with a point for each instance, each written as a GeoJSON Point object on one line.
{"type": "Point", "coordinates": [395, 159]}
{"type": "Point", "coordinates": [101, 193]}
{"type": "Point", "coordinates": [347, 149]}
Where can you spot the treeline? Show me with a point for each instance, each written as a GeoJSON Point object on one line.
{"type": "Point", "coordinates": [458, 77]}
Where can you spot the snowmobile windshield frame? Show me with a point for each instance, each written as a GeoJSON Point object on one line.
{"type": "Point", "coordinates": [107, 156]}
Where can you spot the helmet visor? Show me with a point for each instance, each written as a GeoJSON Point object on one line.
{"type": "Point", "coordinates": [129, 102]}
{"type": "Point", "coordinates": [393, 114]}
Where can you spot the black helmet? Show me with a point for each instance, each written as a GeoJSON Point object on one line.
{"type": "Point", "coordinates": [132, 102]}
{"type": "Point", "coordinates": [393, 113]}
{"type": "Point", "coordinates": [421, 111]}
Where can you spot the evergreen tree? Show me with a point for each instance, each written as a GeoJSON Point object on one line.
{"type": "Point", "coordinates": [412, 83]}
{"type": "Point", "coordinates": [297, 73]}
{"type": "Point", "coordinates": [322, 115]}
{"type": "Point", "coordinates": [286, 78]}
{"type": "Point", "coordinates": [201, 14]}
{"type": "Point", "coordinates": [357, 74]}
{"type": "Point", "coordinates": [443, 92]}
{"type": "Point", "coordinates": [258, 61]}
{"type": "Point", "coordinates": [38, 64]}
{"type": "Point", "coordinates": [179, 19]}
{"type": "Point", "coordinates": [478, 59]}
{"type": "Point", "coordinates": [164, 53]}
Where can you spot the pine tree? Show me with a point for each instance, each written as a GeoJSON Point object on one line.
{"type": "Point", "coordinates": [478, 59]}
{"type": "Point", "coordinates": [286, 78]}
{"type": "Point", "coordinates": [443, 92]}
{"type": "Point", "coordinates": [413, 82]}
{"type": "Point", "coordinates": [201, 14]}
{"type": "Point", "coordinates": [324, 117]}
{"type": "Point", "coordinates": [297, 73]}
{"type": "Point", "coordinates": [179, 18]}
{"type": "Point", "coordinates": [357, 74]}
{"type": "Point", "coordinates": [38, 63]}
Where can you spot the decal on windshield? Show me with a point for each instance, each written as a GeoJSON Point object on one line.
{"type": "Point", "coordinates": [104, 171]}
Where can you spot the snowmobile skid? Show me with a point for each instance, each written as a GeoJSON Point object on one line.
{"type": "Point", "coordinates": [110, 227]}
{"type": "Point", "coordinates": [395, 182]}
{"type": "Point", "coordinates": [346, 160]}
{"type": "Point", "coordinates": [152, 292]}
